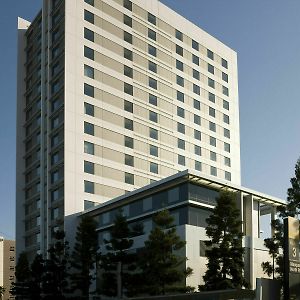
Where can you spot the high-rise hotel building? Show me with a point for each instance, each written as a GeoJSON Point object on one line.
{"type": "Point", "coordinates": [112, 95]}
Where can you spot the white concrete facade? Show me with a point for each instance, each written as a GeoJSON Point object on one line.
{"type": "Point", "coordinates": [133, 140]}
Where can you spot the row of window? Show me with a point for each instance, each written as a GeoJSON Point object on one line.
{"type": "Point", "coordinates": [178, 34]}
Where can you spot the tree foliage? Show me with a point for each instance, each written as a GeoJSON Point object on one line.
{"type": "Point", "coordinates": [55, 269]}
{"type": "Point", "coordinates": [119, 263]}
{"type": "Point", "coordinates": [162, 268]}
{"type": "Point", "coordinates": [225, 252]}
{"type": "Point", "coordinates": [84, 256]}
{"type": "Point", "coordinates": [275, 243]}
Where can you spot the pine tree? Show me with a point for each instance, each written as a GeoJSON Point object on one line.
{"type": "Point", "coordinates": [118, 263]}
{"type": "Point", "coordinates": [84, 256]}
{"type": "Point", "coordinates": [275, 243]}
{"type": "Point", "coordinates": [162, 269]}
{"type": "Point", "coordinates": [20, 288]}
{"type": "Point", "coordinates": [225, 256]}
{"type": "Point", "coordinates": [55, 280]}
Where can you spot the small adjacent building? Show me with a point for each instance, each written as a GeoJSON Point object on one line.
{"type": "Point", "coordinates": [190, 197]}
{"type": "Point", "coordinates": [7, 266]}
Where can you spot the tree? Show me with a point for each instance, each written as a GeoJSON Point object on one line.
{"type": "Point", "coordinates": [55, 279]}
{"type": "Point", "coordinates": [225, 254]}
{"type": "Point", "coordinates": [84, 256]}
{"type": "Point", "coordinates": [20, 288]}
{"type": "Point", "coordinates": [275, 243]}
{"type": "Point", "coordinates": [37, 270]}
{"type": "Point", "coordinates": [161, 267]}
{"type": "Point", "coordinates": [118, 263]}
{"type": "Point", "coordinates": [2, 291]}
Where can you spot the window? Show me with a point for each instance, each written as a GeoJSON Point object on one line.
{"type": "Point", "coordinates": [128, 54]}
{"type": "Point", "coordinates": [88, 109]}
{"type": "Point", "coordinates": [196, 104]}
{"type": "Point", "coordinates": [227, 161]}
{"type": "Point", "coordinates": [210, 54]}
{"type": "Point", "coordinates": [55, 51]}
{"type": "Point", "coordinates": [197, 134]}
{"type": "Point", "coordinates": [127, 20]}
{"type": "Point", "coordinates": [213, 156]}
{"type": "Point", "coordinates": [89, 34]}
{"type": "Point", "coordinates": [153, 150]}
{"type": "Point", "coordinates": [128, 89]}
{"type": "Point", "coordinates": [128, 124]}
{"type": "Point", "coordinates": [212, 126]}
{"type": "Point", "coordinates": [88, 71]}
{"type": "Point", "coordinates": [151, 19]}
{"type": "Point", "coordinates": [180, 96]}
{"type": "Point", "coordinates": [90, 2]}
{"type": "Point", "coordinates": [181, 144]}
{"type": "Point", "coordinates": [153, 83]}
{"type": "Point", "coordinates": [55, 69]}
{"type": "Point", "coordinates": [211, 82]}
{"type": "Point", "coordinates": [212, 112]}
{"type": "Point", "coordinates": [55, 195]}
{"type": "Point", "coordinates": [54, 176]}
{"type": "Point", "coordinates": [180, 80]}
{"type": "Point", "coordinates": [225, 104]}
{"type": "Point", "coordinates": [212, 141]}
{"type": "Point", "coordinates": [195, 45]}
{"type": "Point", "coordinates": [198, 166]}
{"type": "Point", "coordinates": [196, 89]}
{"type": "Point", "coordinates": [213, 171]}
{"type": "Point", "coordinates": [88, 90]}
{"type": "Point", "coordinates": [227, 133]}
{"type": "Point", "coordinates": [196, 74]}
{"type": "Point", "coordinates": [228, 176]}
{"type": "Point", "coordinates": [152, 66]}
{"type": "Point", "coordinates": [225, 90]}
{"type": "Point", "coordinates": [153, 116]}
{"type": "Point", "coordinates": [129, 178]}
{"type": "Point", "coordinates": [128, 106]}
{"type": "Point", "coordinates": [178, 35]}
{"type": "Point", "coordinates": [153, 133]}
{"type": "Point", "coordinates": [55, 87]}
{"type": "Point", "coordinates": [88, 128]}
{"type": "Point", "coordinates": [55, 122]}
{"type": "Point", "coordinates": [151, 50]}
{"type": "Point", "coordinates": [88, 16]}
{"type": "Point", "coordinates": [211, 97]}
{"type": "Point", "coordinates": [55, 104]}
{"type": "Point", "coordinates": [127, 37]}
{"type": "Point", "coordinates": [127, 4]}
{"type": "Point", "coordinates": [151, 34]}
{"type": "Point", "coordinates": [210, 68]}
{"type": "Point", "coordinates": [224, 76]}
{"type": "Point", "coordinates": [89, 148]}
{"type": "Point", "coordinates": [88, 52]}
{"type": "Point", "coordinates": [179, 65]}
{"type": "Point", "coordinates": [128, 142]}
{"type": "Point", "coordinates": [179, 50]}
{"type": "Point", "coordinates": [227, 147]}
{"type": "Point", "coordinates": [180, 112]}
{"type": "Point", "coordinates": [197, 150]}
{"type": "Point", "coordinates": [195, 59]}
{"type": "Point", "coordinates": [226, 119]}
{"type": "Point", "coordinates": [152, 99]}
{"type": "Point", "coordinates": [89, 187]}
{"type": "Point", "coordinates": [55, 158]}
{"type": "Point", "coordinates": [180, 128]}
{"type": "Point", "coordinates": [181, 160]}
{"type": "Point", "coordinates": [224, 63]}
{"type": "Point", "coordinates": [129, 160]}
{"type": "Point", "coordinates": [197, 120]}
{"type": "Point", "coordinates": [153, 167]}
{"type": "Point", "coordinates": [54, 213]}
{"type": "Point", "coordinates": [128, 71]}
{"type": "Point", "coordinates": [89, 167]}
{"type": "Point", "coordinates": [55, 140]}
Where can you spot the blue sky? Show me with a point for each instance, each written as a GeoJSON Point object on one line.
{"type": "Point", "coordinates": [266, 36]}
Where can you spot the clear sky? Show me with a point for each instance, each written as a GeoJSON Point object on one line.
{"type": "Point", "coordinates": [266, 36]}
